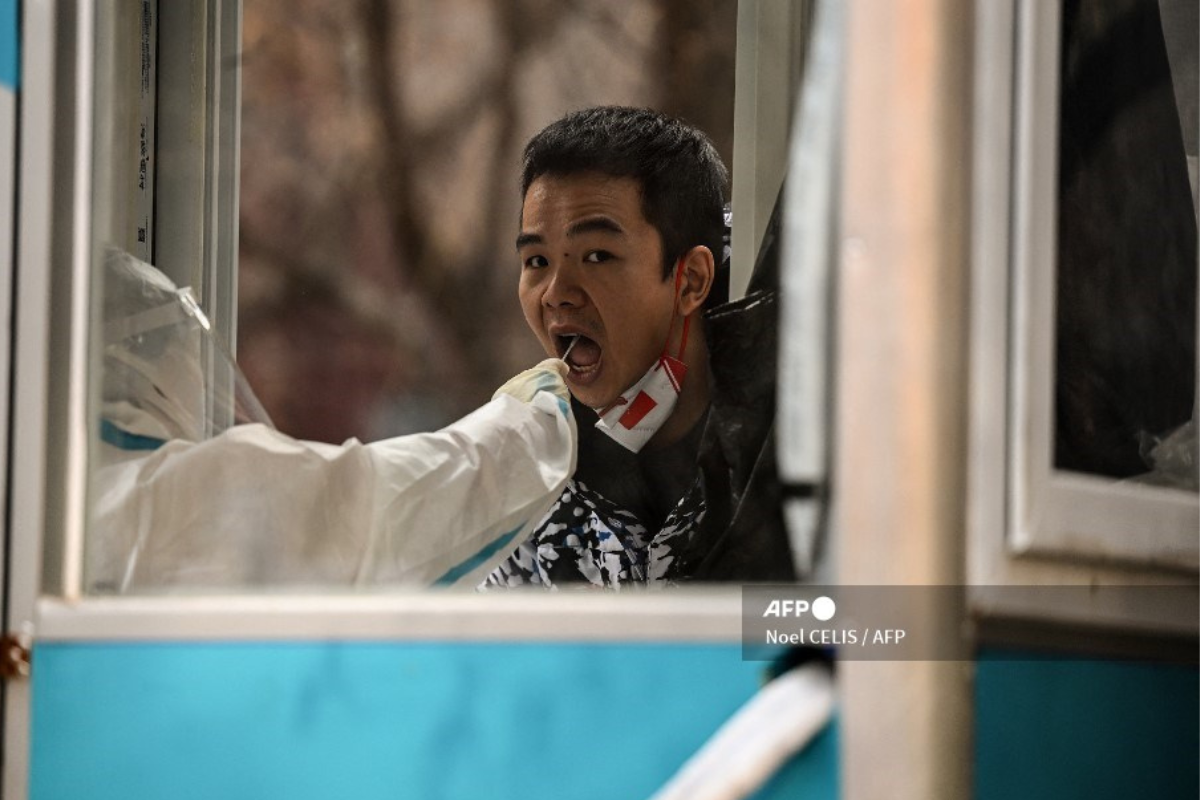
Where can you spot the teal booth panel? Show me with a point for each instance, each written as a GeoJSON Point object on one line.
{"type": "Point", "coordinates": [1067, 728]}
{"type": "Point", "coordinates": [9, 52]}
{"type": "Point", "coordinates": [811, 775]}
{"type": "Point", "coordinates": [387, 719]}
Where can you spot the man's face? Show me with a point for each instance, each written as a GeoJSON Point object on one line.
{"type": "Point", "coordinates": [592, 265]}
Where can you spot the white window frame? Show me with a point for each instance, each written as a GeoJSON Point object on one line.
{"type": "Point", "coordinates": [196, 215]}
{"type": "Point", "coordinates": [1030, 524]}
{"type": "Point", "coordinates": [771, 50]}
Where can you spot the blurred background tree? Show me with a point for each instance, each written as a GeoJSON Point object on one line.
{"type": "Point", "coordinates": [379, 199]}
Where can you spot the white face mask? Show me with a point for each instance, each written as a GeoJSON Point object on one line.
{"type": "Point", "coordinates": [643, 408]}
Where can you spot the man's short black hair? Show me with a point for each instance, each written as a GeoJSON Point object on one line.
{"type": "Point", "coordinates": [682, 177]}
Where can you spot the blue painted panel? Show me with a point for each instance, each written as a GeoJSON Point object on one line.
{"type": "Point", "coordinates": [1085, 729]}
{"type": "Point", "coordinates": [9, 52]}
{"type": "Point", "coordinates": [375, 720]}
{"type": "Point", "coordinates": [811, 775]}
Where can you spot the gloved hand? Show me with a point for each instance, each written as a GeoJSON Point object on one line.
{"type": "Point", "coordinates": [548, 376]}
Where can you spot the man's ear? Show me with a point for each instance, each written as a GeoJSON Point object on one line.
{"type": "Point", "coordinates": [699, 269]}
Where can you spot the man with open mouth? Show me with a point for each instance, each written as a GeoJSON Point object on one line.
{"type": "Point", "coordinates": [620, 253]}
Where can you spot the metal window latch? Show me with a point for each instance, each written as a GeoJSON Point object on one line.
{"type": "Point", "coordinates": [15, 659]}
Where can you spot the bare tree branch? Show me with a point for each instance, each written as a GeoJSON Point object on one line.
{"type": "Point", "coordinates": [462, 297]}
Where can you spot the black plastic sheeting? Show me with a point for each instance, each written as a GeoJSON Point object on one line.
{"type": "Point", "coordinates": [742, 536]}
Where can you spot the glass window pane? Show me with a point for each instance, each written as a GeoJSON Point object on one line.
{"type": "Point", "coordinates": [380, 147]}
{"type": "Point", "coordinates": [1126, 267]}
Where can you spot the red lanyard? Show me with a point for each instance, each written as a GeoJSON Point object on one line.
{"type": "Point", "coordinates": [687, 321]}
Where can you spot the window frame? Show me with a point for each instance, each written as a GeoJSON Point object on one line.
{"type": "Point", "coordinates": [1029, 524]}
{"type": "Point", "coordinates": [55, 349]}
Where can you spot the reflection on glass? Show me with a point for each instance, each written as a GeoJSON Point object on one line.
{"type": "Point", "coordinates": [1126, 262]}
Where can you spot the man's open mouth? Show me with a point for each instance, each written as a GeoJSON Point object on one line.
{"type": "Point", "coordinates": [581, 353]}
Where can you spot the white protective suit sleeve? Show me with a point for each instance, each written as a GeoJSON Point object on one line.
{"type": "Point", "coordinates": [254, 507]}
{"type": "Point", "coordinates": [184, 499]}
